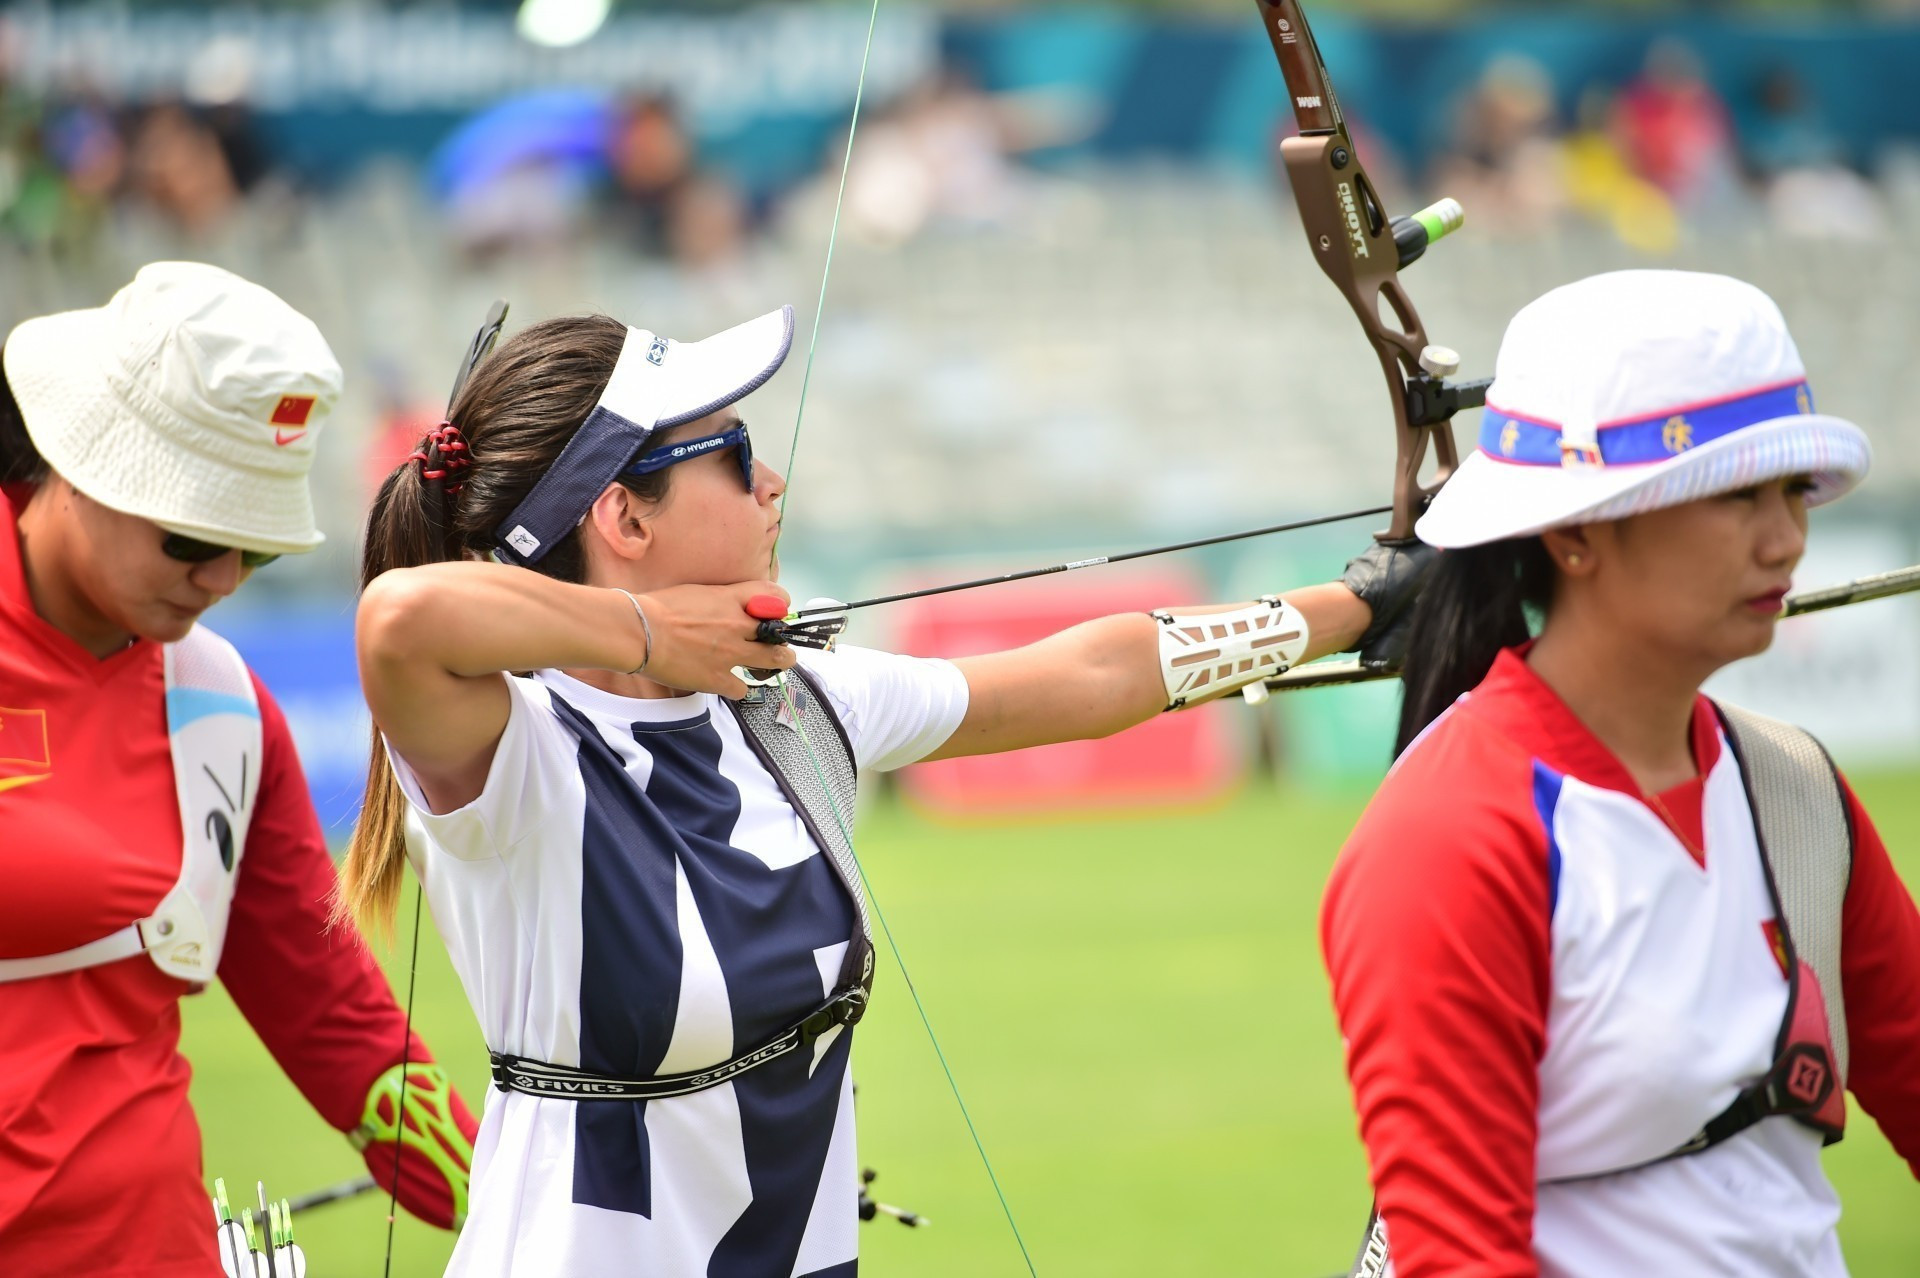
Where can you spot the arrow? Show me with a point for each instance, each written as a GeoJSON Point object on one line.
{"type": "Point", "coordinates": [1883, 585]}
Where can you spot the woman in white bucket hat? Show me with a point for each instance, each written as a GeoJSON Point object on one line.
{"type": "Point", "coordinates": [1606, 955]}
{"type": "Point", "coordinates": [155, 828]}
{"type": "Point", "coordinates": [644, 877]}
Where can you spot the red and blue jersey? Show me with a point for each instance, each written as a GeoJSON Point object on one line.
{"type": "Point", "coordinates": [1543, 974]}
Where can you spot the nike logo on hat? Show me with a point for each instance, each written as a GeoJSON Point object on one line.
{"type": "Point", "coordinates": [292, 410]}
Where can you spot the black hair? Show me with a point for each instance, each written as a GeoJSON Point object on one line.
{"type": "Point", "coordinates": [1479, 600]}
{"type": "Point", "coordinates": [20, 461]}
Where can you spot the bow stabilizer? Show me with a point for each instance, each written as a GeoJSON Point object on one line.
{"type": "Point", "coordinates": [1362, 250]}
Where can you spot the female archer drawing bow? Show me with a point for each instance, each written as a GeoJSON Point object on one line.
{"type": "Point", "coordinates": [645, 879]}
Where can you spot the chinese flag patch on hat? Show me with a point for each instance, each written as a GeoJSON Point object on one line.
{"type": "Point", "coordinates": [292, 410]}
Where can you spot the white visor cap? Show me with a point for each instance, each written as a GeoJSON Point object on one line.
{"type": "Point", "coordinates": [1637, 390]}
{"type": "Point", "coordinates": [192, 398]}
{"type": "Point", "coordinates": [656, 383]}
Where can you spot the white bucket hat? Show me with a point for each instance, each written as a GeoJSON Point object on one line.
{"type": "Point", "coordinates": [192, 399]}
{"type": "Point", "coordinates": [1634, 391]}
{"type": "Point", "coordinates": [656, 383]}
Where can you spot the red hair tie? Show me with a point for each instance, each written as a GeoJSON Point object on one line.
{"type": "Point", "coordinates": [445, 440]}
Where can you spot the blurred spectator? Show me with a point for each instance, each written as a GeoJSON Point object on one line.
{"type": "Point", "coordinates": [1827, 201]}
{"type": "Point", "coordinates": [532, 205]}
{"type": "Point", "coordinates": [1505, 164]}
{"type": "Point", "coordinates": [708, 225]}
{"type": "Point", "coordinates": [661, 199]}
{"type": "Point", "coordinates": [218, 84]}
{"type": "Point", "coordinates": [650, 158]}
{"type": "Point", "coordinates": [1674, 129]}
{"type": "Point", "coordinates": [70, 158]}
{"type": "Point", "coordinates": [1786, 128]}
{"type": "Point", "coordinates": [1602, 183]}
{"type": "Point", "coordinates": [178, 166]}
{"type": "Point", "coordinates": [519, 175]}
{"type": "Point", "coordinates": [1797, 161]}
{"type": "Point", "coordinates": [31, 192]}
{"type": "Point", "coordinates": [523, 175]}
{"type": "Point", "coordinates": [939, 156]}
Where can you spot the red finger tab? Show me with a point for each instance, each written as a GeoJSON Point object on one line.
{"type": "Point", "coordinates": [766, 607]}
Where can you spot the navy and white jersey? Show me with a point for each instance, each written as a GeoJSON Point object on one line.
{"type": "Point", "coordinates": [632, 894]}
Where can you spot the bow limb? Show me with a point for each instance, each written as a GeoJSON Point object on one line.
{"type": "Point", "coordinates": [1355, 243]}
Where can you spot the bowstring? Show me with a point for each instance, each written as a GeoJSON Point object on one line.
{"type": "Point", "coordinates": [406, 1050]}
{"type": "Point", "coordinates": [813, 758]}
{"type": "Point", "coordinates": [873, 902]}
{"type": "Point", "coordinates": [826, 272]}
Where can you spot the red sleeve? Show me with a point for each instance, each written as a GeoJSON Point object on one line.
{"type": "Point", "coordinates": [1435, 933]}
{"type": "Point", "coordinates": [313, 994]}
{"type": "Point", "coordinates": [1880, 972]}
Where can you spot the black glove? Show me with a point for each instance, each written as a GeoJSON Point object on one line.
{"type": "Point", "coordinates": [1387, 578]}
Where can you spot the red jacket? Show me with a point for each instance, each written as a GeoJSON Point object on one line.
{"type": "Point", "coordinates": [100, 1166]}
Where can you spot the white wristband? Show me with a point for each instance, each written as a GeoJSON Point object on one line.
{"type": "Point", "coordinates": [1212, 654]}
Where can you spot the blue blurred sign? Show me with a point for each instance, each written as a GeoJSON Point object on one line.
{"type": "Point", "coordinates": [304, 654]}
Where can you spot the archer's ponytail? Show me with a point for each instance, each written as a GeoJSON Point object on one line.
{"type": "Point", "coordinates": [406, 528]}
{"type": "Point", "coordinates": [517, 411]}
{"type": "Point", "coordinates": [1476, 602]}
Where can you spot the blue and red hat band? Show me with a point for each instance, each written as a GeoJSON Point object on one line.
{"type": "Point", "coordinates": [1653, 438]}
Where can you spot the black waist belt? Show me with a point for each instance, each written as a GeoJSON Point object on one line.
{"type": "Point", "coordinates": [564, 1082]}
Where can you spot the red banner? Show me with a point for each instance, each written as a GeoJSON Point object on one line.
{"type": "Point", "coordinates": [1182, 758]}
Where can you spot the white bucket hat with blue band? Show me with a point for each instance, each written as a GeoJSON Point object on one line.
{"type": "Point", "coordinates": [656, 384]}
{"type": "Point", "coordinates": [1634, 391]}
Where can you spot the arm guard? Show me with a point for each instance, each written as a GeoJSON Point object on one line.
{"type": "Point", "coordinates": [1210, 655]}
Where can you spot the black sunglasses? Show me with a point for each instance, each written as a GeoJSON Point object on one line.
{"type": "Point", "coordinates": [191, 550]}
{"type": "Point", "coordinates": [673, 454]}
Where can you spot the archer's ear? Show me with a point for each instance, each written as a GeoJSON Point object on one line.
{"type": "Point", "coordinates": [619, 525]}
{"type": "Point", "coordinates": [1571, 549]}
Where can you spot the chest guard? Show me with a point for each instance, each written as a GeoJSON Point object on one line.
{"type": "Point", "coordinates": [801, 741]}
{"type": "Point", "coordinates": [794, 732]}
{"type": "Point", "coordinates": [214, 736]}
{"type": "Point", "coordinates": [1806, 846]}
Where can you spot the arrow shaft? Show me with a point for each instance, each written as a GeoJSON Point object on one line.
{"type": "Point", "coordinates": [1860, 590]}
{"type": "Point", "coordinates": [1075, 565]}
{"type": "Point", "coordinates": [1881, 585]}
{"type": "Point", "coordinates": [333, 1194]}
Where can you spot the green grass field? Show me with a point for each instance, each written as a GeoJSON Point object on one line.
{"type": "Point", "coordinates": [1137, 1016]}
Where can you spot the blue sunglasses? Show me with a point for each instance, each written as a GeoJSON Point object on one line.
{"type": "Point", "coordinates": [687, 450]}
